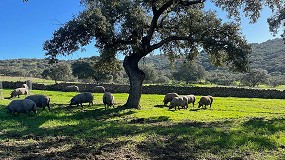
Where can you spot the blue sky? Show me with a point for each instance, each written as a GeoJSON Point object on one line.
{"type": "Point", "coordinates": [25, 26]}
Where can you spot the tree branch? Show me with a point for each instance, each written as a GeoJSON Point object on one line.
{"type": "Point", "coordinates": [154, 9]}
{"type": "Point", "coordinates": [167, 40]}
{"type": "Point", "coordinates": [158, 13]}
{"type": "Point", "coordinates": [122, 42]}
{"type": "Point", "coordinates": [189, 3]}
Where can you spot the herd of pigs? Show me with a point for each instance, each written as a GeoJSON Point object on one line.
{"type": "Point", "coordinates": [183, 101]}
{"type": "Point", "coordinates": [32, 102]}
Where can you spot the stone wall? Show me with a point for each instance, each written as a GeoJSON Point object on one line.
{"type": "Point", "coordinates": [158, 89]}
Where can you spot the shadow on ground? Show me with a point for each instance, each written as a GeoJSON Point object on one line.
{"type": "Point", "coordinates": [97, 135]}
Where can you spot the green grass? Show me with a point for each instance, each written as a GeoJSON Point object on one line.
{"type": "Point", "coordinates": [235, 128]}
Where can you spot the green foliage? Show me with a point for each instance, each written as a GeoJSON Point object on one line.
{"type": "Point", "coordinates": [162, 79]}
{"type": "Point", "coordinates": [267, 55]}
{"type": "Point", "coordinates": [23, 67]}
{"type": "Point", "coordinates": [151, 75]}
{"type": "Point", "coordinates": [190, 73]}
{"type": "Point", "coordinates": [83, 69]}
{"type": "Point", "coordinates": [275, 81]}
{"type": "Point", "coordinates": [107, 69]}
{"type": "Point", "coordinates": [255, 77]}
{"type": "Point", "coordinates": [235, 128]}
{"type": "Point", "coordinates": [135, 27]}
{"type": "Point", "coordinates": [222, 78]}
{"type": "Point", "coordinates": [276, 21]}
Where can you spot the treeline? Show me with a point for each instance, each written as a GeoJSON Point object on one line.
{"type": "Point", "coordinates": [266, 67]}
{"type": "Point", "coordinates": [23, 67]}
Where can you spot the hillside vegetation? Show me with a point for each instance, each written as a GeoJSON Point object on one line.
{"type": "Point", "coordinates": [268, 55]}
{"type": "Point", "coordinates": [267, 58]}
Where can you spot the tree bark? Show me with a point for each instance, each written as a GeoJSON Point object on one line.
{"type": "Point", "coordinates": [136, 77]}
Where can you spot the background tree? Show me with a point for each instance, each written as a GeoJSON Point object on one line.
{"type": "Point", "coordinates": [151, 74]}
{"type": "Point", "coordinates": [255, 77]}
{"type": "Point", "coordinates": [275, 81]}
{"type": "Point", "coordinates": [162, 79]}
{"type": "Point", "coordinates": [107, 70]}
{"type": "Point", "coordinates": [190, 73]}
{"type": "Point", "coordinates": [83, 69]}
{"type": "Point", "coordinates": [221, 78]}
{"type": "Point", "coordinates": [137, 28]}
{"type": "Point", "coordinates": [58, 72]}
{"type": "Point", "coordinates": [276, 22]}
{"type": "Point", "coordinates": [89, 68]}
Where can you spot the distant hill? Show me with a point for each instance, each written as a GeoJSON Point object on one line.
{"type": "Point", "coordinates": [269, 55]}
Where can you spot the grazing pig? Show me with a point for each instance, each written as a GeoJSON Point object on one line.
{"type": "Point", "coordinates": [17, 92]}
{"type": "Point", "coordinates": [72, 88]}
{"type": "Point", "coordinates": [168, 97]}
{"type": "Point", "coordinates": [98, 89]}
{"type": "Point", "coordinates": [191, 99]}
{"type": "Point", "coordinates": [82, 98]}
{"type": "Point", "coordinates": [25, 86]}
{"type": "Point", "coordinates": [179, 101]}
{"type": "Point", "coordinates": [40, 100]}
{"type": "Point", "coordinates": [21, 106]}
{"type": "Point", "coordinates": [205, 100]}
{"type": "Point", "coordinates": [108, 100]}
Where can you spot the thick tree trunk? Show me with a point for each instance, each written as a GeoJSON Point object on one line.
{"type": "Point", "coordinates": [136, 77]}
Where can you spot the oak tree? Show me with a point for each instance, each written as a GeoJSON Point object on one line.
{"type": "Point", "coordinates": [137, 28]}
{"type": "Point", "coordinates": [58, 72]}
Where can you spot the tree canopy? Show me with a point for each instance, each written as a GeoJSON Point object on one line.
{"type": "Point", "coordinates": [190, 73]}
{"type": "Point", "coordinates": [255, 77]}
{"type": "Point", "coordinates": [176, 27]}
{"type": "Point", "coordinates": [60, 71]}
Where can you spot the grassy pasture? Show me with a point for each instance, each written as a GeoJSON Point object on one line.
{"type": "Point", "coordinates": [235, 128]}
{"type": "Point", "coordinates": [23, 79]}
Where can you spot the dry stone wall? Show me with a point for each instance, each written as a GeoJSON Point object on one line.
{"type": "Point", "coordinates": [158, 89]}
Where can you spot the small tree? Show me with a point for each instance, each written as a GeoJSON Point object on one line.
{"type": "Point", "coordinates": [221, 78]}
{"type": "Point", "coordinates": [190, 73]}
{"type": "Point", "coordinates": [90, 69]}
{"type": "Point", "coordinates": [151, 74]}
{"type": "Point", "coordinates": [59, 71]}
{"type": "Point", "coordinates": [83, 69]}
{"type": "Point", "coordinates": [255, 77]}
{"type": "Point", "coordinates": [275, 81]}
{"type": "Point", "coordinates": [163, 79]}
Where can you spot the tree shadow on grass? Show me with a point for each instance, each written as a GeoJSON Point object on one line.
{"type": "Point", "coordinates": [161, 106]}
{"type": "Point", "coordinates": [192, 140]}
{"type": "Point", "coordinates": [149, 120]}
{"type": "Point", "coordinates": [95, 135]}
{"type": "Point", "coordinates": [188, 140]}
{"type": "Point", "coordinates": [17, 126]}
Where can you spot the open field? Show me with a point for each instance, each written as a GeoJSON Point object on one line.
{"type": "Point", "coordinates": [23, 79]}
{"type": "Point", "coordinates": [235, 128]}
